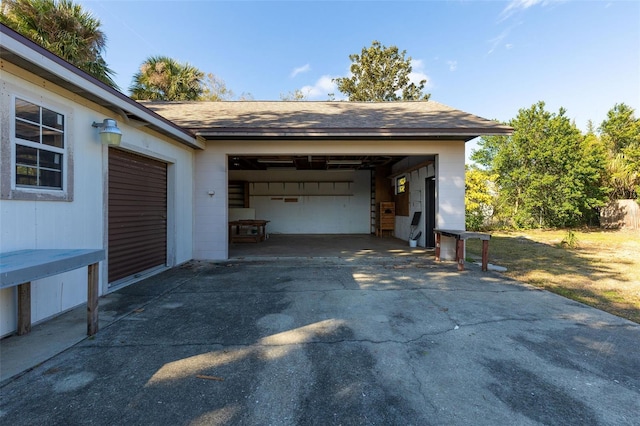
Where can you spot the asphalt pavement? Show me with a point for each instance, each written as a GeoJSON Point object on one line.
{"type": "Point", "coordinates": [334, 341]}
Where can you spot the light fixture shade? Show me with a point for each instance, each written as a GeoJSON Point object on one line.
{"type": "Point", "coordinates": [344, 162]}
{"type": "Point", "coordinates": [109, 132]}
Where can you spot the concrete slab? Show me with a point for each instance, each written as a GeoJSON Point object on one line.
{"type": "Point", "coordinates": [356, 246]}
{"type": "Point", "coordinates": [395, 340]}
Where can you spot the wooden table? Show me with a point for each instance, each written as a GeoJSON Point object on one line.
{"type": "Point", "coordinates": [460, 237]}
{"type": "Point", "coordinates": [19, 268]}
{"type": "Point", "coordinates": [249, 226]}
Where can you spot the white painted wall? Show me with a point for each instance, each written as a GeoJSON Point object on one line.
{"type": "Point", "coordinates": [327, 202]}
{"type": "Point", "coordinates": [211, 212]}
{"type": "Point", "coordinates": [81, 223]}
{"type": "Point", "coordinates": [211, 239]}
{"type": "Point", "coordinates": [416, 181]}
{"type": "Point", "coordinates": [450, 196]}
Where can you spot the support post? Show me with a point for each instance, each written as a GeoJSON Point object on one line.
{"type": "Point", "coordinates": [437, 247]}
{"type": "Point", "coordinates": [24, 308]}
{"type": "Point", "coordinates": [460, 253]}
{"type": "Point", "coordinates": [485, 255]}
{"type": "Point", "coordinates": [92, 299]}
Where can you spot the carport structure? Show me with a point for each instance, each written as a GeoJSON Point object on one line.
{"type": "Point", "coordinates": [325, 167]}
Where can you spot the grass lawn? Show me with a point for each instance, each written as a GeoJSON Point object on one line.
{"type": "Point", "coordinates": [602, 271]}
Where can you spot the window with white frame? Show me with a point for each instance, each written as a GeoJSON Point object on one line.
{"type": "Point", "coordinates": [40, 146]}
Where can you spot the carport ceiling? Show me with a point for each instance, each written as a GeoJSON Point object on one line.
{"type": "Point", "coordinates": [310, 162]}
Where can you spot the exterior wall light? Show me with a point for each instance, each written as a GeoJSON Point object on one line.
{"type": "Point", "coordinates": [109, 132]}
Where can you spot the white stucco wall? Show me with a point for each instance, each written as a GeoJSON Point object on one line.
{"type": "Point", "coordinates": [211, 212]}
{"type": "Point", "coordinates": [450, 213]}
{"type": "Point", "coordinates": [450, 196]}
{"type": "Point", "coordinates": [81, 222]}
{"type": "Point", "coordinates": [416, 179]}
{"type": "Point", "coordinates": [326, 202]}
{"type": "Point", "coordinates": [211, 239]}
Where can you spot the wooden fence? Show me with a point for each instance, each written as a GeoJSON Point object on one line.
{"type": "Point", "coordinates": [621, 214]}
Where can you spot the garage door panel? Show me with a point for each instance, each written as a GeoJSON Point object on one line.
{"type": "Point", "coordinates": [121, 183]}
{"type": "Point", "coordinates": [137, 214]}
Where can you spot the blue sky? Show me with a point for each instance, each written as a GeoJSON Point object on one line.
{"type": "Point", "coordinates": [489, 58]}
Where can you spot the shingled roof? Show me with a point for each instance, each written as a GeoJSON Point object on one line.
{"type": "Point", "coordinates": [285, 119]}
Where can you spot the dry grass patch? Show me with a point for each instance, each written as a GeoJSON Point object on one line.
{"type": "Point", "coordinates": [602, 270]}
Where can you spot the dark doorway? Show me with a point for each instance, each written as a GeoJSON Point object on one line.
{"type": "Point", "coordinates": [430, 211]}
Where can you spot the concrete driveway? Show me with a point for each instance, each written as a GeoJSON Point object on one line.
{"type": "Point", "coordinates": [330, 341]}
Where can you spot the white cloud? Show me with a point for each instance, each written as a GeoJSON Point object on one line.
{"type": "Point", "coordinates": [301, 69]}
{"type": "Point", "coordinates": [418, 74]}
{"type": "Point", "coordinates": [516, 6]}
{"type": "Point", "coordinates": [321, 89]}
{"type": "Point", "coordinates": [498, 40]}
{"type": "Point", "coordinates": [453, 65]}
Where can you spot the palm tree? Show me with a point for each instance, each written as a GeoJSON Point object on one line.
{"type": "Point", "coordinates": [164, 79]}
{"type": "Point", "coordinates": [63, 28]}
{"type": "Point", "coordinates": [624, 181]}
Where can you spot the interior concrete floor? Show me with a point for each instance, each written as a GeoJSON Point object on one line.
{"type": "Point", "coordinates": [326, 245]}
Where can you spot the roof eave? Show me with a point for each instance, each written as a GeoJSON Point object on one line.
{"type": "Point", "coordinates": [344, 134]}
{"type": "Point", "coordinates": [34, 58]}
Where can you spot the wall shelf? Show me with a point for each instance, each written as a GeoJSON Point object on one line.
{"type": "Point", "coordinates": [302, 195]}
{"type": "Point", "coordinates": [315, 188]}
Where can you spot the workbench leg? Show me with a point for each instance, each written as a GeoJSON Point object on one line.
{"type": "Point", "coordinates": [24, 308]}
{"type": "Point", "coordinates": [437, 247]}
{"type": "Point", "coordinates": [460, 254]}
{"type": "Point", "coordinates": [92, 299]}
{"type": "Point", "coordinates": [485, 255]}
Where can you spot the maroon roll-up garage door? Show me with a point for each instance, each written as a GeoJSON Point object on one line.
{"type": "Point", "coordinates": [137, 214]}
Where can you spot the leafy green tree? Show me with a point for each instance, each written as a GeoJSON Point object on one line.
{"type": "Point", "coordinates": [246, 96]}
{"type": "Point", "coordinates": [164, 79]}
{"type": "Point", "coordinates": [621, 129]}
{"type": "Point", "coordinates": [622, 178]}
{"type": "Point", "coordinates": [381, 74]}
{"type": "Point", "coordinates": [548, 173]}
{"type": "Point", "coordinates": [64, 29]}
{"type": "Point", "coordinates": [478, 198]}
{"type": "Point", "coordinates": [296, 95]}
{"type": "Point", "coordinates": [621, 133]}
{"type": "Point", "coordinates": [215, 89]}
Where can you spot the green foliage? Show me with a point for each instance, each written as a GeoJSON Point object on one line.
{"type": "Point", "coordinates": [379, 74]}
{"type": "Point", "coordinates": [621, 134]}
{"type": "Point", "coordinates": [621, 129]}
{"type": "Point", "coordinates": [570, 240]}
{"type": "Point", "coordinates": [64, 29]}
{"type": "Point", "coordinates": [215, 89]}
{"type": "Point", "coordinates": [296, 95]}
{"type": "Point", "coordinates": [622, 179]}
{"type": "Point", "coordinates": [548, 174]}
{"type": "Point", "coordinates": [164, 79]}
{"type": "Point", "coordinates": [478, 199]}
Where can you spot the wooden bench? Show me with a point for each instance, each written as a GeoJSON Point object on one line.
{"type": "Point", "coordinates": [460, 237]}
{"type": "Point", "coordinates": [254, 230]}
{"type": "Point", "coordinates": [19, 268]}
